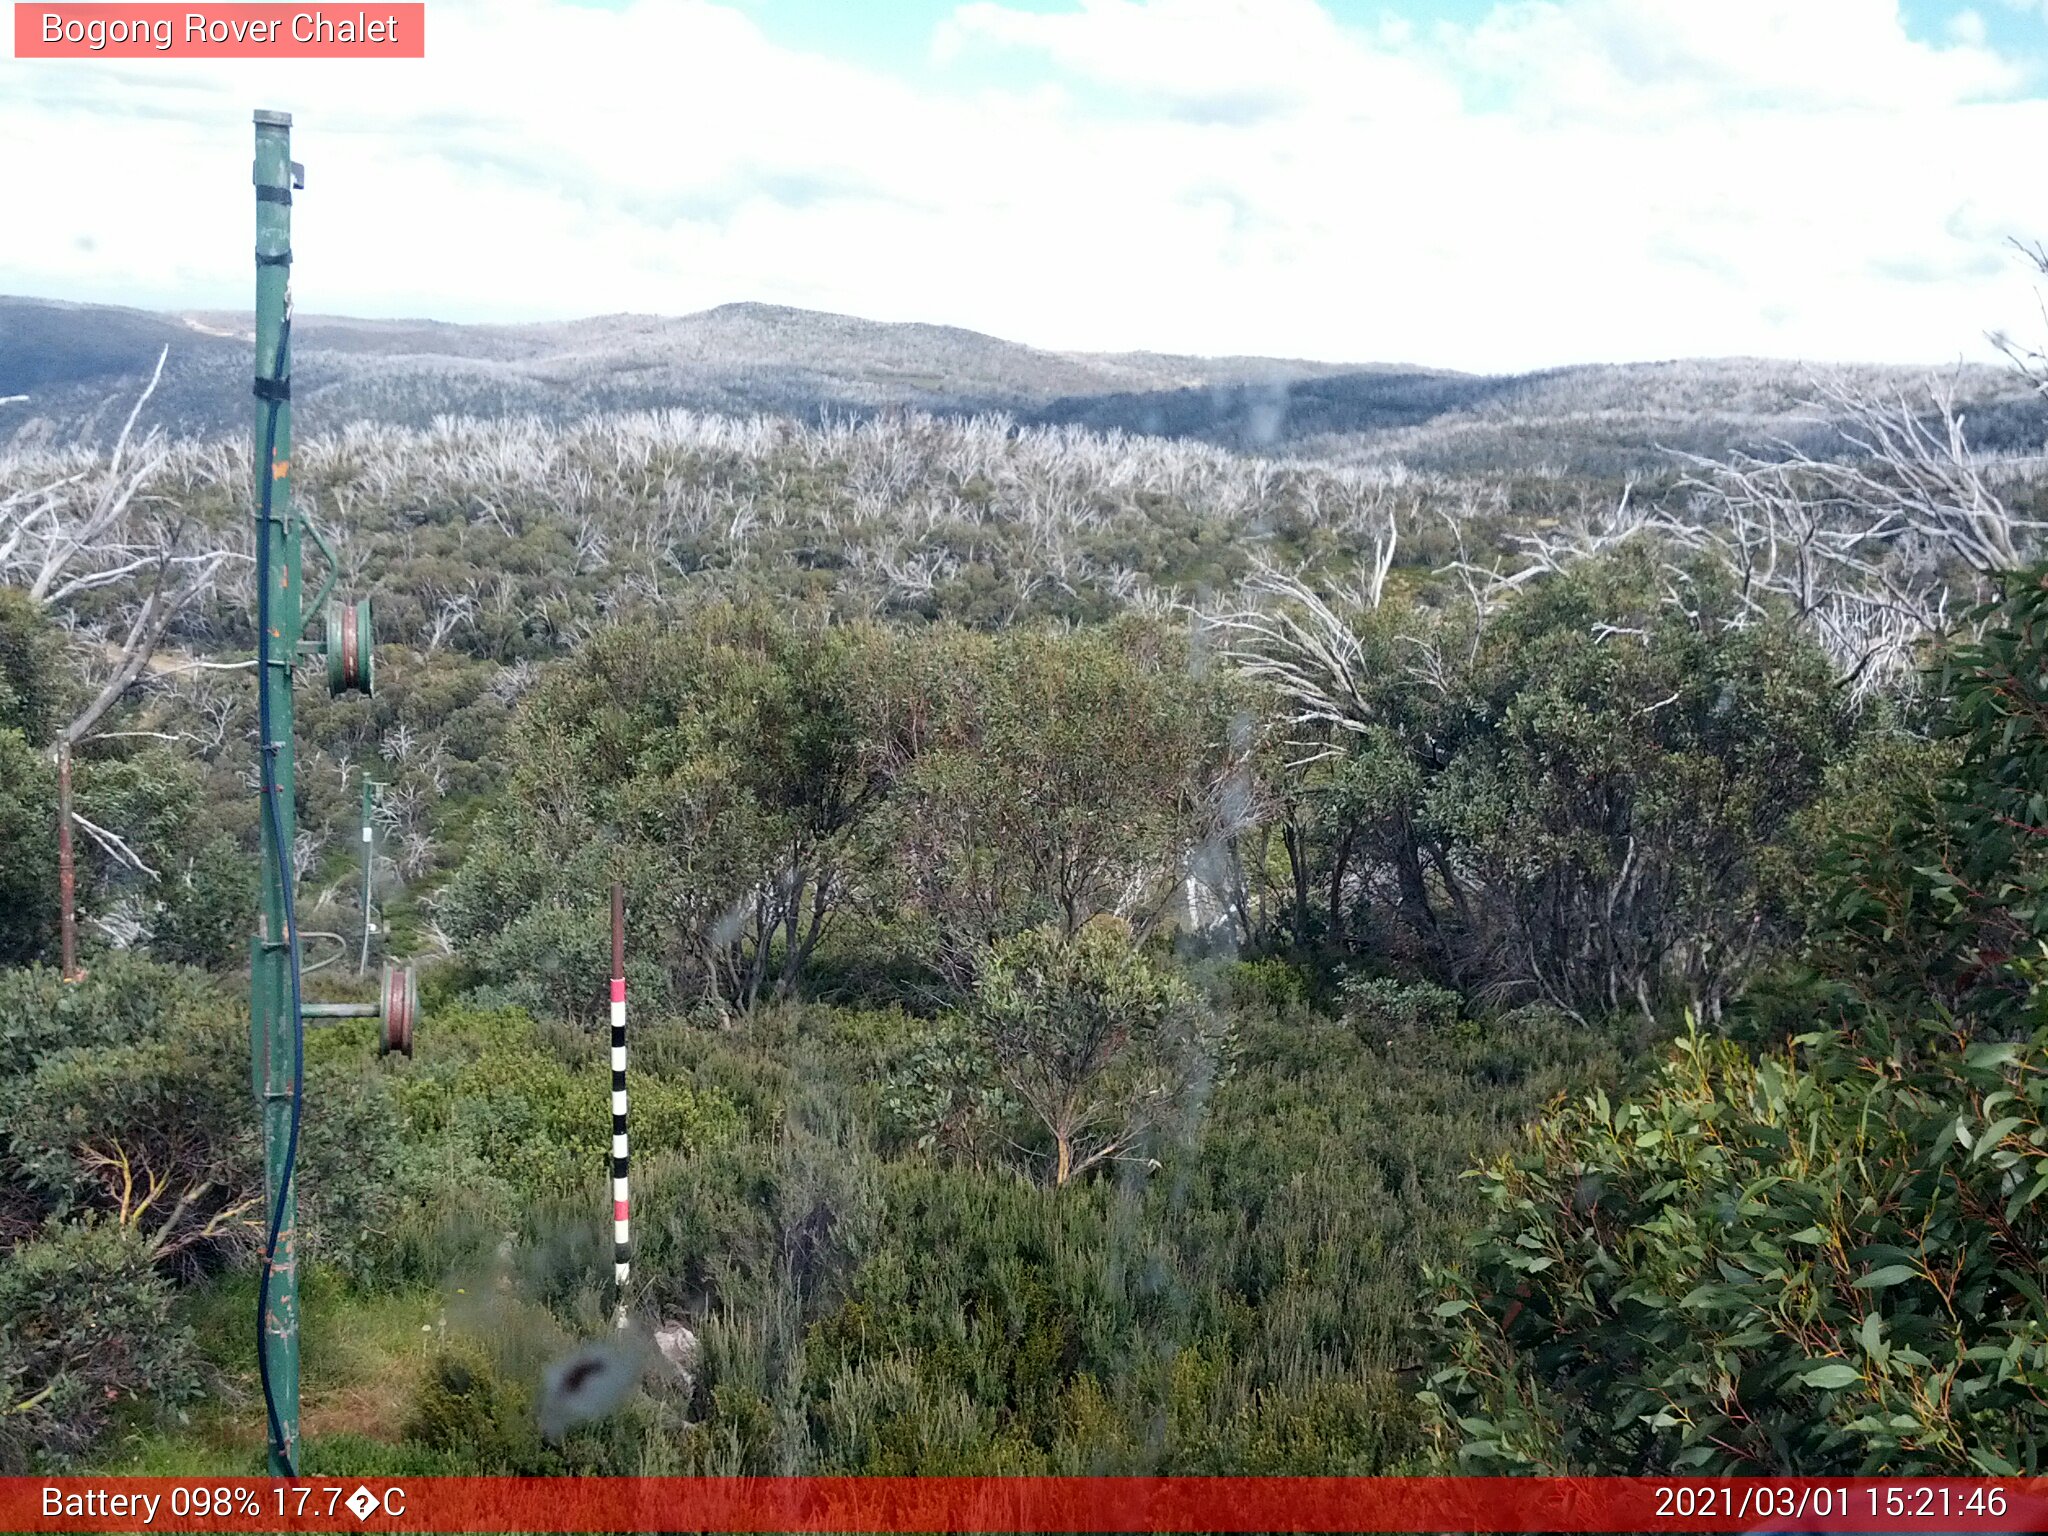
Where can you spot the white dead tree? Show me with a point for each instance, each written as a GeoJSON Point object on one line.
{"type": "Point", "coordinates": [454, 610]}
{"type": "Point", "coordinates": [1305, 645]}
{"type": "Point", "coordinates": [2031, 362]}
{"type": "Point", "coordinates": [92, 540]}
{"type": "Point", "coordinates": [1305, 648]}
{"type": "Point", "coordinates": [1868, 546]}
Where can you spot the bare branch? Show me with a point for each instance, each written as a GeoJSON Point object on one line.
{"type": "Point", "coordinates": [114, 845]}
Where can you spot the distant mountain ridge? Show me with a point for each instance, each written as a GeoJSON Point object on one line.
{"type": "Point", "coordinates": [80, 365]}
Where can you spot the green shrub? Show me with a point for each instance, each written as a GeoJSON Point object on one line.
{"type": "Point", "coordinates": [33, 677]}
{"type": "Point", "coordinates": [122, 998]}
{"type": "Point", "coordinates": [361, 1183]}
{"type": "Point", "coordinates": [463, 1405]}
{"type": "Point", "coordinates": [1380, 1008]}
{"type": "Point", "coordinates": [1824, 1261]}
{"type": "Point", "coordinates": [204, 906]}
{"type": "Point", "coordinates": [940, 1091]}
{"type": "Point", "coordinates": [1102, 1045]}
{"type": "Point", "coordinates": [161, 1097]}
{"type": "Point", "coordinates": [1928, 904]}
{"type": "Point", "coordinates": [731, 759]}
{"type": "Point", "coordinates": [1328, 1428]}
{"type": "Point", "coordinates": [1271, 980]}
{"type": "Point", "coordinates": [28, 851]}
{"type": "Point", "coordinates": [488, 1082]}
{"type": "Point", "coordinates": [1580, 796]}
{"type": "Point", "coordinates": [1825, 1256]}
{"type": "Point", "coordinates": [85, 1324]}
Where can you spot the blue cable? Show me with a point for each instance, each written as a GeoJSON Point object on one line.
{"type": "Point", "coordinates": [267, 753]}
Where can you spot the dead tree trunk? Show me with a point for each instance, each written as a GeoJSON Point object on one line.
{"type": "Point", "coordinates": [82, 534]}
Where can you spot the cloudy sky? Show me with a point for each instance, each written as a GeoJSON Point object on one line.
{"type": "Point", "coordinates": [1454, 182]}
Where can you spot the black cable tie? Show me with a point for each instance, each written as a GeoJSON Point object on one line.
{"type": "Point", "coordinates": [281, 259]}
{"type": "Point", "coordinates": [268, 194]}
{"type": "Point", "coordinates": [274, 390]}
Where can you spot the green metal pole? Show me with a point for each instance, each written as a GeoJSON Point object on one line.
{"type": "Point", "coordinates": [369, 861]}
{"type": "Point", "coordinates": [271, 1025]}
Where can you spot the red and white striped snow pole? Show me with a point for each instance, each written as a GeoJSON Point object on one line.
{"type": "Point", "coordinates": [622, 1242]}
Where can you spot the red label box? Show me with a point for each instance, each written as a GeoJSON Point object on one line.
{"type": "Point", "coordinates": [1688, 1507]}
{"type": "Point", "coordinates": [242, 31]}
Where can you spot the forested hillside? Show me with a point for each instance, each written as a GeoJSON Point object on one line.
{"type": "Point", "coordinates": [68, 373]}
{"type": "Point", "coordinates": [1094, 903]}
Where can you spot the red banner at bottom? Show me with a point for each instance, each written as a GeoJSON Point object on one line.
{"type": "Point", "coordinates": [1024, 1504]}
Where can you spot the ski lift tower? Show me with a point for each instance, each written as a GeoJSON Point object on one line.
{"type": "Point", "coordinates": [277, 1012]}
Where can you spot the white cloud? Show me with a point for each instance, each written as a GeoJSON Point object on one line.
{"type": "Point", "coordinates": [1230, 62]}
{"type": "Point", "coordinates": [1565, 180]}
{"type": "Point", "coordinates": [1670, 59]}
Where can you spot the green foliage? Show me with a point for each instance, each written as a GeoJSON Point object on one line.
{"type": "Point", "coordinates": [1825, 1258]}
{"type": "Point", "coordinates": [463, 1405]}
{"type": "Point", "coordinates": [131, 1081]}
{"type": "Point", "coordinates": [1099, 1043]}
{"type": "Point", "coordinates": [196, 907]}
{"type": "Point", "coordinates": [1944, 900]}
{"type": "Point", "coordinates": [479, 1407]}
{"type": "Point", "coordinates": [204, 906]}
{"type": "Point", "coordinates": [85, 1325]}
{"type": "Point", "coordinates": [869, 1310]}
{"type": "Point", "coordinates": [1623, 801]}
{"type": "Point", "coordinates": [752, 1225]}
{"type": "Point", "coordinates": [724, 768]}
{"type": "Point", "coordinates": [1248, 1307]}
{"type": "Point", "coordinates": [1268, 981]}
{"type": "Point", "coordinates": [488, 1084]}
{"type": "Point", "coordinates": [1578, 798]}
{"type": "Point", "coordinates": [1016, 1329]}
{"type": "Point", "coordinates": [1063, 776]}
{"type": "Point", "coordinates": [139, 1075]}
{"type": "Point", "coordinates": [32, 690]}
{"type": "Point", "coordinates": [1604, 792]}
{"type": "Point", "coordinates": [366, 1189]}
{"type": "Point", "coordinates": [28, 851]}
{"type": "Point", "coordinates": [752, 775]}
{"type": "Point", "coordinates": [942, 1090]}
{"type": "Point", "coordinates": [122, 1000]}
{"type": "Point", "coordinates": [1382, 1007]}
{"type": "Point", "coordinates": [512, 912]}
{"type": "Point", "coordinates": [1826, 1261]}
{"type": "Point", "coordinates": [32, 673]}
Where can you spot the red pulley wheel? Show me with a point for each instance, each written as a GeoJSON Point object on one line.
{"type": "Point", "coordinates": [351, 668]}
{"type": "Point", "coordinates": [399, 1008]}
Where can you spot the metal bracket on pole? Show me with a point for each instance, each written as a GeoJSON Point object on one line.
{"type": "Point", "coordinates": [346, 640]}
{"type": "Point", "coordinates": [333, 571]}
{"type": "Point", "coordinates": [396, 1010]}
